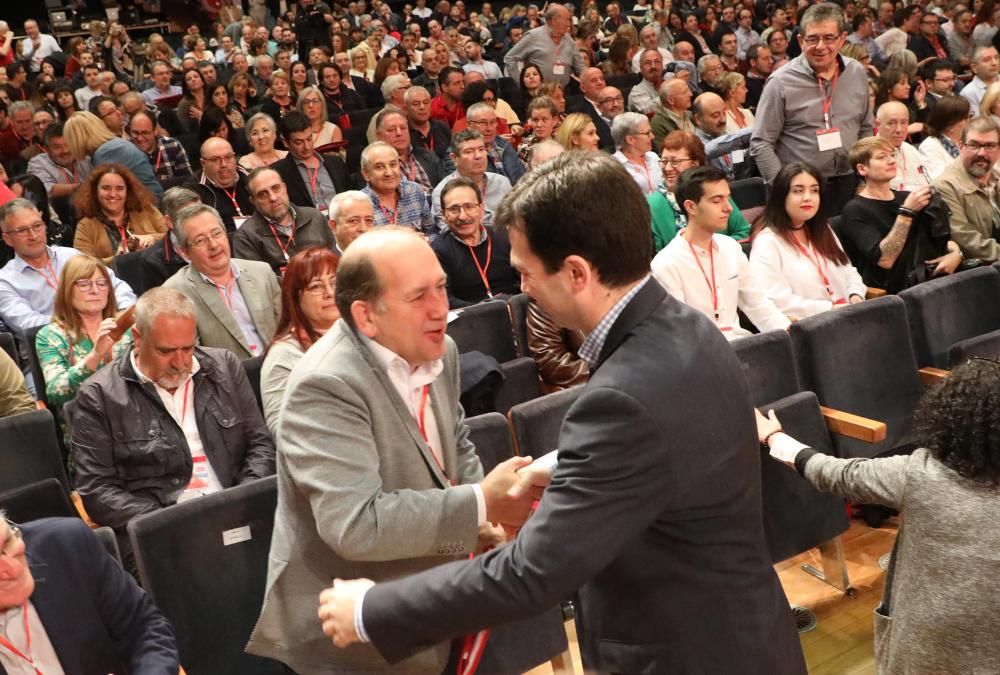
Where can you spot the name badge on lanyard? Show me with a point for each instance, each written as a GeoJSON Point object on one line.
{"type": "Point", "coordinates": [829, 139]}
{"type": "Point", "coordinates": [558, 68]}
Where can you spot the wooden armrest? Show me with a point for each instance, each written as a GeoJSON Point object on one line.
{"type": "Point", "coordinates": [874, 293]}
{"type": "Point", "coordinates": [929, 376]}
{"type": "Point", "coordinates": [853, 426]}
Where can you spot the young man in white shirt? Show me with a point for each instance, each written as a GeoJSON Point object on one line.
{"type": "Point", "coordinates": [708, 270]}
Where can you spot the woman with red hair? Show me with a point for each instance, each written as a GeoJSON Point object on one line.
{"type": "Point", "coordinates": [308, 310]}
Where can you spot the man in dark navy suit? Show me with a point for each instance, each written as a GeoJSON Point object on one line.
{"type": "Point", "coordinates": [65, 604]}
{"type": "Point", "coordinates": [654, 510]}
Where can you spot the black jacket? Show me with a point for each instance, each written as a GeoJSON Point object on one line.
{"type": "Point", "coordinates": [97, 618]}
{"type": "Point", "coordinates": [298, 191]}
{"type": "Point", "coordinates": [160, 262]}
{"type": "Point", "coordinates": [582, 105]}
{"type": "Point", "coordinates": [133, 458]}
{"type": "Point", "coordinates": [219, 200]}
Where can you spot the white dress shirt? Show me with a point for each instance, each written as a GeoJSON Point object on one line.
{"type": "Point", "coordinates": [180, 406]}
{"type": "Point", "coordinates": [42, 652]}
{"type": "Point", "coordinates": [935, 157]}
{"type": "Point", "coordinates": [409, 384]}
{"type": "Point", "coordinates": [910, 170]}
{"type": "Point", "coordinates": [793, 282]}
{"type": "Point", "coordinates": [681, 275]}
{"type": "Point", "coordinates": [648, 176]}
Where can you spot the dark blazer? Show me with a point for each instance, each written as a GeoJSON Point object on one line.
{"type": "Point", "coordinates": [298, 191]}
{"type": "Point", "coordinates": [582, 105]}
{"type": "Point", "coordinates": [654, 513]}
{"type": "Point", "coordinates": [160, 262]}
{"type": "Point", "coordinates": [685, 36]}
{"type": "Point", "coordinates": [430, 163]}
{"type": "Point", "coordinates": [98, 619]}
{"type": "Point", "coordinates": [922, 48]}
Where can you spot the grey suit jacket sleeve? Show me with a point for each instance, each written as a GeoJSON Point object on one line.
{"type": "Point", "coordinates": [863, 481]}
{"type": "Point", "coordinates": [607, 488]}
{"type": "Point", "coordinates": [327, 442]}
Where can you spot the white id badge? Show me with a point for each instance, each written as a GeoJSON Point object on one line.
{"type": "Point", "coordinates": [558, 69]}
{"type": "Point", "coordinates": [829, 139]}
{"type": "Point", "coordinates": [239, 220]}
{"type": "Point", "coordinates": [738, 156]}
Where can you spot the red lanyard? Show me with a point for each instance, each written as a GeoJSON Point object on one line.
{"type": "Point", "coordinates": [27, 638]}
{"type": "Point", "coordinates": [313, 178]}
{"type": "Point", "coordinates": [827, 102]}
{"type": "Point", "coordinates": [423, 428]}
{"type": "Point", "coordinates": [291, 239]}
{"type": "Point", "coordinates": [710, 282]}
{"type": "Point", "coordinates": [741, 121]}
{"type": "Point", "coordinates": [159, 156]}
{"type": "Point", "coordinates": [430, 139]}
{"type": "Point", "coordinates": [819, 269]}
{"type": "Point", "coordinates": [66, 174]}
{"type": "Point", "coordinates": [232, 198]}
{"type": "Point", "coordinates": [225, 292]}
{"type": "Point", "coordinates": [54, 281]}
{"type": "Point", "coordinates": [483, 269]}
{"type": "Point", "coordinates": [123, 233]}
{"type": "Point", "coordinates": [184, 405]}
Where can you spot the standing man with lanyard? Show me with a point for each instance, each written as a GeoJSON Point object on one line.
{"type": "Point", "coordinates": [815, 108]}
{"type": "Point", "coordinates": [550, 47]}
{"type": "Point", "coordinates": [476, 259]}
{"type": "Point", "coordinates": [278, 230]}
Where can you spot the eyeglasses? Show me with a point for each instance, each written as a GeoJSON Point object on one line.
{"type": "Point", "coordinates": [109, 113]}
{"type": "Point", "coordinates": [488, 123]}
{"type": "Point", "coordinates": [203, 241]}
{"type": "Point", "coordinates": [14, 535]}
{"type": "Point", "coordinates": [322, 287]}
{"type": "Point", "coordinates": [311, 101]}
{"type": "Point", "coordinates": [976, 147]}
{"type": "Point", "coordinates": [814, 40]}
{"type": "Point", "coordinates": [675, 161]}
{"type": "Point", "coordinates": [220, 159]}
{"type": "Point", "coordinates": [87, 284]}
{"type": "Point", "coordinates": [612, 99]}
{"type": "Point", "coordinates": [25, 231]}
{"type": "Point", "coordinates": [456, 209]}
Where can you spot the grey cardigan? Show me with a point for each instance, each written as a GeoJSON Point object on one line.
{"type": "Point", "coordinates": [945, 605]}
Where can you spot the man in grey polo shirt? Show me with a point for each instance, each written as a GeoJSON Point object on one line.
{"type": "Point", "coordinates": [550, 47]}
{"type": "Point", "coordinates": [815, 108]}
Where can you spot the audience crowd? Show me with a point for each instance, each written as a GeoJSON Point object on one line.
{"type": "Point", "coordinates": [169, 210]}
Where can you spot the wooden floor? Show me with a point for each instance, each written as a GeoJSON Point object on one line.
{"type": "Point", "coordinates": [841, 643]}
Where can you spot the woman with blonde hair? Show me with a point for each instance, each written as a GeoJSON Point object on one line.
{"type": "Point", "coordinates": [990, 105]}
{"type": "Point", "coordinates": [117, 215]}
{"type": "Point", "coordinates": [578, 132]}
{"type": "Point", "coordinates": [312, 104]}
{"type": "Point", "coordinates": [83, 335]}
{"type": "Point", "coordinates": [88, 138]}
{"type": "Point", "coordinates": [279, 101]}
{"type": "Point", "coordinates": [262, 133]}
{"type": "Point", "coordinates": [732, 88]}
{"type": "Point", "coordinates": [363, 69]}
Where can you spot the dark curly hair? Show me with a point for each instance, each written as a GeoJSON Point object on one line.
{"type": "Point", "coordinates": [959, 421]}
{"type": "Point", "coordinates": [137, 197]}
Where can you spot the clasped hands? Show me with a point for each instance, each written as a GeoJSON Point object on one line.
{"type": "Point", "coordinates": [510, 490]}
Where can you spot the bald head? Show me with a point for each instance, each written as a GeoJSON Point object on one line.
{"type": "Point", "coordinates": [684, 51]}
{"type": "Point", "coordinates": [675, 95]}
{"type": "Point", "coordinates": [219, 162]}
{"type": "Point", "coordinates": [891, 109]}
{"type": "Point", "coordinates": [592, 82]}
{"type": "Point", "coordinates": [709, 112]}
{"type": "Point", "coordinates": [893, 122]}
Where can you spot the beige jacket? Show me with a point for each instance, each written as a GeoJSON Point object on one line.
{"type": "Point", "coordinates": [973, 218]}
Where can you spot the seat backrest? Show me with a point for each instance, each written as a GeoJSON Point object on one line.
{"type": "Point", "coordinates": [536, 423]}
{"type": "Point", "coordinates": [520, 384]}
{"type": "Point", "coordinates": [252, 368]}
{"type": "Point", "coordinates": [204, 563]}
{"type": "Point", "coordinates": [110, 542]}
{"type": "Point", "coordinates": [859, 359]}
{"type": "Point", "coordinates": [485, 328]}
{"type": "Point", "coordinates": [30, 450]}
{"type": "Point", "coordinates": [34, 364]}
{"type": "Point", "coordinates": [798, 517]}
{"type": "Point", "coordinates": [490, 433]}
{"type": "Point", "coordinates": [749, 192]}
{"type": "Point", "coordinates": [950, 309]}
{"type": "Point", "coordinates": [519, 316]}
{"type": "Point", "coordinates": [42, 499]}
{"type": "Point", "coordinates": [769, 365]}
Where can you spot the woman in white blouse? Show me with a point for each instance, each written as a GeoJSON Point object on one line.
{"type": "Point", "coordinates": [633, 138]}
{"type": "Point", "coordinates": [945, 124]}
{"type": "Point", "coordinates": [796, 255]}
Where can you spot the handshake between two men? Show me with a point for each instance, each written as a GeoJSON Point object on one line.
{"type": "Point", "coordinates": [510, 491]}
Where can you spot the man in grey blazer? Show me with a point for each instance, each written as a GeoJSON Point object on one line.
{"type": "Point", "coordinates": [238, 302]}
{"type": "Point", "coordinates": [654, 507]}
{"type": "Point", "coordinates": [377, 476]}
